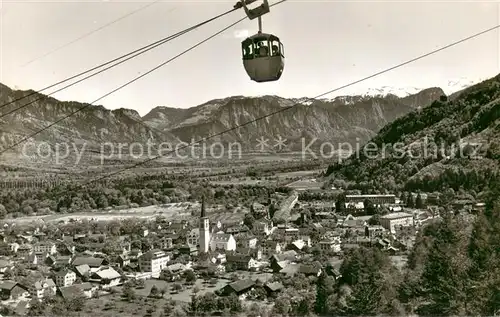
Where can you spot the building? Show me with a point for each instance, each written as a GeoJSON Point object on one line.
{"type": "Point", "coordinates": [241, 262]}
{"type": "Point", "coordinates": [331, 244]}
{"type": "Point", "coordinates": [90, 261]}
{"type": "Point", "coordinates": [193, 237]}
{"type": "Point", "coordinates": [204, 237]}
{"type": "Point", "coordinates": [153, 261]}
{"type": "Point", "coordinates": [166, 243]}
{"type": "Point", "coordinates": [107, 277]}
{"type": "Point", "coordinates": [239, 287]}
{"type": "Point", "coordinates": [374, 231]}
{"type": "Point", "coordinates": [375, 199]}
{"type": "Point", "coordinates": [223, 241]}
{"type": "Point", "coordinates": [24, 250]}
{"type": "Point", "coordinates": [247, 241]}
{"type": "Point", "coordinates": [284, 232]}
{"type": "Point", "coordinates": [270, 247]}
{"type": "Point", "coordinates": [10, 290]}
{"type": "Point", "coordinates": [86, 290]}
{"type": "Point", "coordinates": [390, 221]}
{"type": "Point", "coordinates": [43, 288]}
{"type": "Point", "coordinates": [264, 226]}
{"type": "Point", "coordinates": [45, 247]}
{"type": "Point", "coordinates": [65, 278]}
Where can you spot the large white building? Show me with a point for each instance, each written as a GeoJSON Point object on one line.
{"type": "Point", "coordinates": [223, 242]}
{"type": "Point", "coordinates": [375, 199]}
{"type": "Point", "coordinates": [45, 247]}
{"type": "Point", "coordinates": [65, 278]}
{"type": "Point", "coordinates": [397, 219]}
{"type": "Point", "coordinates": [153, 261]}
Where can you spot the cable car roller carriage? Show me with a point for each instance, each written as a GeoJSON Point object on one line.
{"type": "Point", "coordinates": [263, 55]}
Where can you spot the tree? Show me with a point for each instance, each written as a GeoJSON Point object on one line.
{"type": "Point", "coordinates": [196, 290]}
{"type": "Point", "coordinates": [140, 283]}
{"type": "Point", "coordinates": [177, 287]}
{"type": "Point", "coordinates": [128, 293]}
{"type": "Point", "coordinates": [340, 203]}
{"type": "Point", "coordinates": [484, 272]}
{"type": "Point", "coordinates": [370, 208]}
{"type": "Point", "coordinates": [249, 220]}
{"type": "Point", "coordinates": [410, 203]}
{"type": "Point", "coordinates": [419, 203]}
{"type": "Point", "coordinates": [444, 278]}
{"type": "Point", "coordinates": [77, 303]}
{"type": "Point", "coordinates": [154, 292]}
{"type": "Point", "coordinates": [367, 285]}
{"type": "Point", "coordinates": [282, 306]}
{"type": "Point", "coordinates": [190, 276]}
{"type": "Point", "coordinates": [374, 220]}
{"type": "Point", "coordinates": [3, 211]}
{"type": "Point", "coordinates": [37, 308]}
{"type": "Point", "coordinates": [324, 288]}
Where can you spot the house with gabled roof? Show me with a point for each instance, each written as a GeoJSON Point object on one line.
{"type": "Point", "coordinates": [222, 241]}
{"type": "Point", "coordinates": [31, 259]}
{"type": "Point", "coordinates": [255, 253]}
{"type": "Point", "coordinates": [65, 278]}
{"type": "Point", "coordinates": [154, 261]}
{"type": "Point", "coordinates": [270, 247]}
{"type": "Point", "coordinates": [82, 270]}
{"type": "Point", "coordinates": [107, 277]}
{"type": "Point", "coordinates": [273, 288]}
{"type": "Point", "coordinates": [74, 291]}
{"type": "Point", "coordinates": [24, 250]}
{"type": "Point", "coordinates": [239, 287]}
{"type": "Point", "coordinates": [246, 240]}
{"type": "Point", "coordinates": [43, 288]}
{"type": "Point", "coordinates": [311, 269]}
{"type": "Point", "coordinates": [241, 261]}
{"type": "Point", "coordinates": [10, 290]}
{"type": "Point", "coordinates": [90, 261]}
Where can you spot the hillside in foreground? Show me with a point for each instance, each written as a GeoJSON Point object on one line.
{"type": "Point", "coordinates": [454, 143]}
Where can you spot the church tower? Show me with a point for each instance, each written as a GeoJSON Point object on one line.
{"type": "Point", "coordinates": [204, 229]}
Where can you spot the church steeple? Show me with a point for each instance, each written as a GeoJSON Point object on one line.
{"type": "Point", "coordinates": [203, 213]}
{"type": "Point", "coordinates": [204, 229]}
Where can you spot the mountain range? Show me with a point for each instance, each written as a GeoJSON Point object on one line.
{"type": "Point", "coordinates": [341, 119]}
{"type": "Point", "coordinates": [454, 143]}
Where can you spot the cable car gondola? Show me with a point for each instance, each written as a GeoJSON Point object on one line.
{"type": "Point", "coordinates": [263, 54]}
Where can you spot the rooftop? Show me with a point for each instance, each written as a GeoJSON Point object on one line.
{"type": "Point", "coordinates": [397, 215]}
{"type": "Point", "coordinates": [367, 196]}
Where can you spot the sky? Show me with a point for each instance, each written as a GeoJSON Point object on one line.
{"type": "Point", "coordinates": [327, 44]}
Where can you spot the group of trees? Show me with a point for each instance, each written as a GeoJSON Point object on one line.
{"type": "Point", "coordinates": [204, 305]}
{"type": "Point", "coordinates": [57, 306]}
{"type": "Point", "coordinates": [412, 201]}
{"type": "Point", "coordinates": [128, 193]}
{"type": "Point", "coordinates": [432, 139]}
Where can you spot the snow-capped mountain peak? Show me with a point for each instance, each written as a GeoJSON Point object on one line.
{"type": "Point", "coordinates": [389, 90]}
{"type": "Point", "coordinates": [303, 101]}
{"type": "Point", "coordinates": [458, 84]}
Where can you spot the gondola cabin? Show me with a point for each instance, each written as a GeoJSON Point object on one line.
{"type": "Point", "coordinates": [263, 57]}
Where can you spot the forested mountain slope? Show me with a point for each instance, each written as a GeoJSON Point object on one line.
{"type": "Point", "coordinates": [450, 144]}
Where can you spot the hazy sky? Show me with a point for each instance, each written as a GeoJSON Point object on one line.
{"type": "Point", "coordinates": [327, 44]}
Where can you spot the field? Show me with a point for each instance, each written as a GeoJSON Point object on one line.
{"type": "Point", "coordinates": [171, 211]}
{"type": "Point", "coordinates": [141, 305]}
{"type": "Point", "coordinates": [308, 184]}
